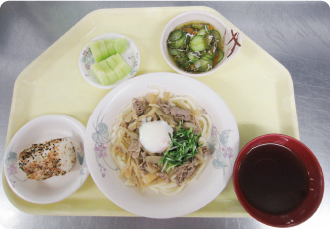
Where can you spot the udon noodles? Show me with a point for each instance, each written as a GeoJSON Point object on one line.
{"type": "Point", "coordinates": [141, 168]}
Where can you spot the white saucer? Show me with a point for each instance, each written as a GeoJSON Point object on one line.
{"type": "Point", "coordinates": [39, 130]}
{"type": "Point", "coordinates": [86, 59]}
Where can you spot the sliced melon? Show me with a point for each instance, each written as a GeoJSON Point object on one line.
{"type": "Point", "coordinates": [121, 62]}
{"type": "Point", "coordinates": [95, 51]}
{"type": "Point", "coordinates": [103, 49]}
{"type": "Point", "coordinates": [110, 47]}
{"type": "Point", "coordinates": [120, 45]}
{"type": "Point", "coordinates": [99, 73]}
{"type": "Point", "coordinates": [113, 65]}
{"type": "Point", "coordinates": [108, 71]}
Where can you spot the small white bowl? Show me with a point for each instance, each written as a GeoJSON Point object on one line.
{"type": "Point", "coordinates": [231, 49]}
{"type": "Point", "coordinates": [224, 141]}
{"type": "Point", "coordinates": [86, 59]}
{"type": "Point", "coordinates": [39, 130]}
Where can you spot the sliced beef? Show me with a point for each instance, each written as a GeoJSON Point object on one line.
{"type": "Point", "coordinates": [166, 107]}
{"type": "Point", "coordinates": [143, 168]}
{"type": "Point", "coordinates": [135, 149]}
{"type": "Point", "coordinates": [184, 172]}
{"type": "Point", "coordinates": [143, 155]}
{"type": "Point", "coordinates": [146, 167]}
{"type": "Point", "coordinates": [164, 176]}
{"type": "Point", "coordinates": [205, 150]}
{"type": "Point", "coordinates": [139, 107]}
{"type": "Point", "coordinates": [176, 111]}
{"type": "Point", "coordinates": [198, 129]}
{"type": "Point", "coordinates": [181, 113]}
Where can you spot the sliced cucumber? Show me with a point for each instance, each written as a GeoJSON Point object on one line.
{"type": "Point", "coordinates": [113, 65]}
{"type": "Point", "coordinates": [123, 65]}
{"type": "Point", "coordinates": [110, 47]}
{"type": "Point", "coordinates": [175, 35]}
{"type": "Point", "coordinates": [197, 25]}
{"type": "Point", "coordinates": [187, 64]}
{"type": "Point", "coordinates": [103, 49]}
{"type": "Point", "coordinates": [93, 46]}
{"type": "Point", "coordinates": [99, 73]}
{"type": "Point", "coordinates": [198, 43]}
{"type": "Point", "coordinates": [221, 55]}
{"type": "Point", "coordinates": [174, 52]}
{"type": "Point", "coordinates": [108, 71]}
{"type": "Point", "coordinates": [193, 55]}
{"type": "Point", "coordinates": [216, 35]}
{"type": "Point", "coordinates": [209, 55]}
{"type": "Point", "coordinates": [177, 44]}
{"type": "Point", "coordinates": [202, 32]}
{"type": "Point", "coordinates": [181, 60]}
{"type": "Point", "coordinates": [203, 65]}
{"type": "Point", "coordinates": [197, 40]}
{"type": "Point", "coordinates": [120, 45]}
{"type": "Point", "coordinates": [198, 47]}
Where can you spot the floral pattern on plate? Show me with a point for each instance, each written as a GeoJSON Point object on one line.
{"type": "Point", "coordinates": [101, 149]}
{"type": "Point", "coordinates": [218, 143]}
{"type": "Point", "coordinates": [87, 60]}
{"type": "Point", "coordinates": [12, 168]}
{"type": "Point", "coordinates": [79, 149]}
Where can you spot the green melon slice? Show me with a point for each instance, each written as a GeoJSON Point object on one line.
{"type": "Point", "coordinates": [110, 46]}
{"type": "Point", "coordinates": [120, 45]}
{"type": "Point", "coordinates": [121, 62]}
{"type": "Point", "coordinates": [103, 49]}
{"type": "Point", "coordinates": [108, 71]}
{"type": "Point", "coordinates": [112, 63]}
{"type": "Point", "coordinates": [95, 51]}
{"type": "Point", "coordinates": [99, 73]}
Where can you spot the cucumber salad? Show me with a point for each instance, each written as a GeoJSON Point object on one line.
{"type": "Point", "coordinates": [195, 47]}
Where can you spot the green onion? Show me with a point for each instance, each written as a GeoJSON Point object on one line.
{"type": "Point", "coordinates": [184, 144]}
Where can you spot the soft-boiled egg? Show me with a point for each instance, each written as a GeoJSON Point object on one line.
{"type": "Point", "coordinates": [154, 136]}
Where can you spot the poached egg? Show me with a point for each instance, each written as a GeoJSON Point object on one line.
{"type": "Point", "coordinates": [154, 136]}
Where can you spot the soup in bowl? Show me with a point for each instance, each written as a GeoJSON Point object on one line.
{"type": "Point", "coordinates": [278, 180]}
{"type": "Point", "coordinates": [198, 43]}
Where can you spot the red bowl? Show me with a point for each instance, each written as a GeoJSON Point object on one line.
{"type": "Point", "coordinates": [315, 176]}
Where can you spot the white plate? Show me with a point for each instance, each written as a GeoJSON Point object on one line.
{"type": "Point", "coordinates": [39, 130]}
{"type": "Point", "coordinates": [86, 59]}
{"type": "Point", "coordinates": [224, 141]}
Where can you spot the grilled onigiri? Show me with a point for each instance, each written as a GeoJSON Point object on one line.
{"type": "Point", "coordinates": [52, 158]}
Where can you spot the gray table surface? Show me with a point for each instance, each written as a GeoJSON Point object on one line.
{"type": "Point", "coordinates": [297, 34]}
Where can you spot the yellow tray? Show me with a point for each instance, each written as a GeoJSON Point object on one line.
{"type": "Point", "coordinates": [257, 89]}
